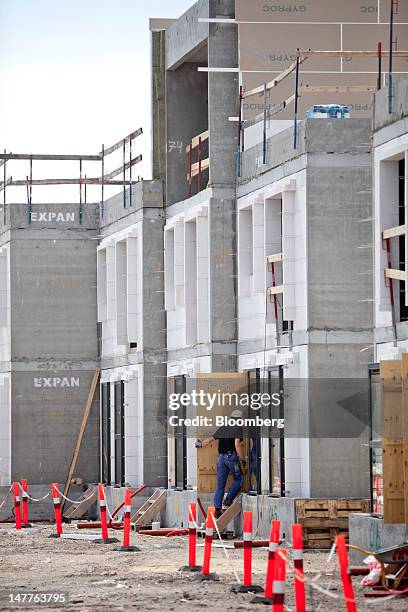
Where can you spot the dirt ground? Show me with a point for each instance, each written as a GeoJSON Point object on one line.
{"type": "Point", "coordinates": [96, 577]}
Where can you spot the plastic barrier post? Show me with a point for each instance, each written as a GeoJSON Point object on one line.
{"type": "Point", "coordinates": [126, 524]}
{"type": "Point", "coordinates": [345, 576]}
{"type": "Point", "coordinates": [279, 581]}
{"type": "Point", "coordinates": [17, 511]}
{"type": "Point", "coordinates": [297, 543]}
{"type": "Point", "coordinates": [104, 523]}
{"type": "Point", "coordinates": [57, 509]}
{"type": "Point", "coordinates": [192, 541]}
{"type": "Point", "coordinates": [209, 532]}
{"type": "Point", "coordinates": [24, 503]}
{"type": "Point", "coordinates": [270, 572]}
{"type": "Point", "coordinates": [247, 587]}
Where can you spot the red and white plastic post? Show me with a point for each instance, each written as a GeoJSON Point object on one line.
{"type": "Point", "coordinates": [344, 573]}
{"type": "Point", "coordinates": [56, 498]}
{"type": "Point", "coordinates": [247, 587]}
{"type": "Point", "coordinates": [126, 524]}
{"type": "Point", "coordinates": [24, 503]}
{"type": "Point", "coordinates": [192, 541]}
{"type": "Point", "coordinates": [274, 539]}
{"type": "Point", "coordinates": [279, 581]}
{"type": "Point", "coordinates": [297, 553]}
{"type": "Point", "coordinates": [104, 522]}
{"type": "Point", "coordinates": [17, 511]}
{"type": "Point", "coordinates": [209, 533]}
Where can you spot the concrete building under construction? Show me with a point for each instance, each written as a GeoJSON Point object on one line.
{"type": "Point", "coordinates": [249, 254]}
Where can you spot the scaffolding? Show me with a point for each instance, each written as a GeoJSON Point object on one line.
{"type": "Point", "coordinates": [105, 179]}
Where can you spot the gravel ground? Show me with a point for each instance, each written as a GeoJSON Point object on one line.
{"type": "Point", "coordinates": [96, 577]}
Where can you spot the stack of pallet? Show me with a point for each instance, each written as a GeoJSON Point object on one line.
{"type": "Point", "coordinates": [324, 519]}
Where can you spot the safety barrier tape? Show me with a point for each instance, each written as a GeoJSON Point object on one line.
{"type": "Point", "coordinates": [5, 497]}
{"type": "Point", "coordinates": [72, 501]}
{"type": "Point", "coordinates": [226, 552]}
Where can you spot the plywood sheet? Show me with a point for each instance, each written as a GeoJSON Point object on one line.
{"type": "Point", "coordinates": [307, 10]}
{"type": "Point", "coordinates": [393, 460]}
{"type": "Point", "coordinates": [401, 14]}
{"type": "Point", "coordinates": [405, 433]}
{"type": "Point", "coordinates": [264, 46]}
{"type": "Point", "coordinates": [359, 103]}
{"type": "Point", "coordinates": [366, 38]}
{"type": "Point", "coordinates": [207, 457]}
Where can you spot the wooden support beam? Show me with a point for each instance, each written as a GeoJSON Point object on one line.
{"type": "Point", "coordinates": [195, 167]}
{"type": "Point", "coordinates": [275, 81]}
{"type": "Point", "coordinates": [306, 53]}
{"type": "Point", "coordinates": [128, 165]}
{"type": "Point", "coordinates": [274, 258]}
{"type": "Point", "coordinates": [392, 442]}
{"type": "Point", "coordinates": [275, 290]}
{"type": "Point", "coordinates": [119, 144]}
{"type": "Point", "coordinates": [66, 181]}
{"type": "Point", "coordinates": [195, 142]}
{"type": "Point", "coordinates": [45, 157]}
{"type": "Point", "coordinates": [393, 232]}
{"type": "Point", "coordinates": [395, 274]}
{"type": "Point", "coordinates": [404, 372]}
{"type": "Point", "coordinates": [337, 89]}
{"type": "Point", "coordinates": [274, 110]}
{"type": "Point", "coordinates": [84, 422]}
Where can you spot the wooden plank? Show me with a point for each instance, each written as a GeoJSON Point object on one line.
{"type": "Point", "coordinates": [78, 509]}
{"type": "Point", "coordinates": [275, 290]}
{"type": "Point", "coordinates": [228, 515]}
{"type": "Point", "coordinates": [337, 89]}
{"type": "Point", "coordinates": [309, 52]}
{"type": "Point", "coordinates": [119, 144]}
{"type": "Point", "coordinates": [395, 274]}
{"type": "Point", "coordinates": [392, 232]}
{"type": "Point", "coordinates": [41, 156]}
{"type": "Point", "coordinates": [195, 168]}
{"type": "Point", "coordinates": [196, 140]}
{"type": "Point", "coordinates": [274, 258]}
{"type": "Point", "coordinates": [275, 81]}
{"type": "Point", "coordinates": [148, 511]}
{"type": "Point", "coordinates": [316, 523]}
{"type": "Point", "coordinates": [129, 164]}
{"type": "Point", "coordinates": [393, 458]}
{"type": "Point", "coordinates": [274, 110]}
{"type": "Point", "coordinates": [404, 373]}
{"type": "Point", "coordinates": [84, 421]}
{"type": "Point", "coordinates": [67, 181]}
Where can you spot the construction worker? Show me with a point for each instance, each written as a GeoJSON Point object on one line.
{"type": "Point", "coordinates": [230, 460]}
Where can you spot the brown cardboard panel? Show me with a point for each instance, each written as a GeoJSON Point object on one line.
{"type": "Point", "coordinates": [401, 13]}
{"type": "Point", "coordinates": [344, 11]}
{"type": "Point", "coordinates": [360, 103]}
{"type": "Point", "coordinates": [366, 38]}
{"type": "Point", "coordinates": [266, 46]}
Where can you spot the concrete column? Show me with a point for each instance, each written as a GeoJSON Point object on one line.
{"type": "Point", "coordinates": [110, 282]}
{"type": "Point", "coordinates": [121, 292]}
{"type": "Point", "coordinates": [190, 281]}
{"type": "Point", "coordinates": [258, 256]}
{"type": "Point", "coordinates": [203, 322]}
{"type": "Point", "coordinates": [133, 295]}
{"type": "Point", "coordinates": [101, 285]}
{"type": "Point", "coordinates": [169, 268]}
{"type": "Point", "coordinates": [245, 251]}
{"type": "Point", "coordinates": [179, 264]}
{"type": "Point", "coordinates": [288, 263]}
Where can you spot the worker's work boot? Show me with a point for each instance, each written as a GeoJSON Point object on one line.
{"type": "Point", "coordinates": [218, 512]}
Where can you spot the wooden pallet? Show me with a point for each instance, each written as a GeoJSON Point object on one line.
{"type": "Point", "coordinates": [324, 519]}
{"type": "Point", "coordinates": [78, 509]}
{"type": "Point", "coordinates": [150, 508]}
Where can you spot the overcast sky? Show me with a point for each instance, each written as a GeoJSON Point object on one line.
{"type": "Point", "coordinates": [75, 74]}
